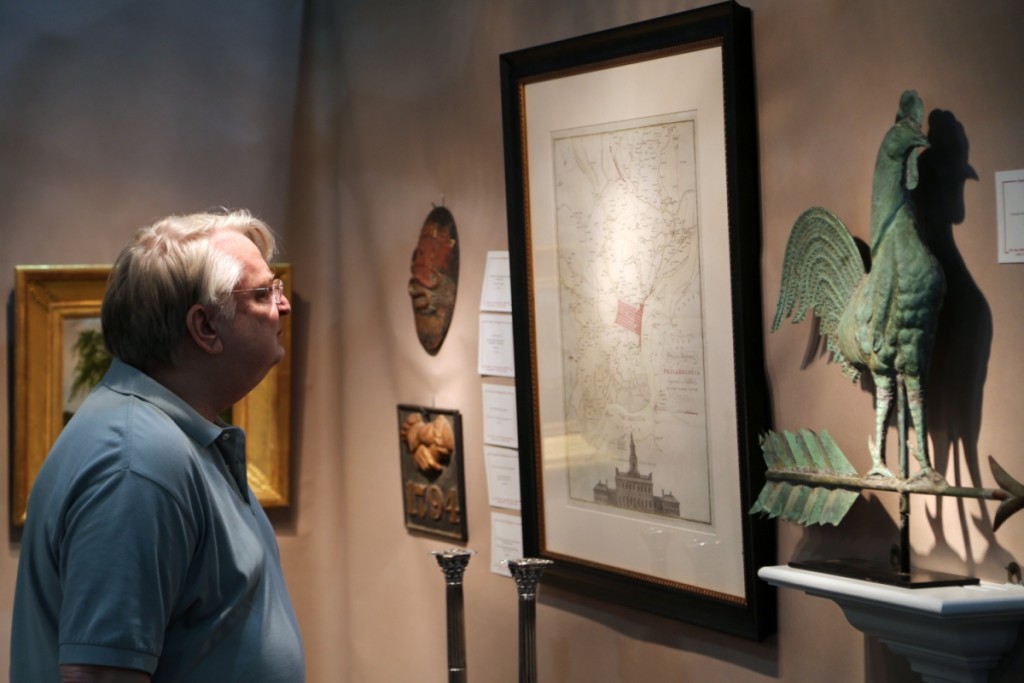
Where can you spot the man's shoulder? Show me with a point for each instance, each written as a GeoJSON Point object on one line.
{"type": "Point", "coordinates": [115, 431]}
{"type": "Point", "coordinates": [131, 418]}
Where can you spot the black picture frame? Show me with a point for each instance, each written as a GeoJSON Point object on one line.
{"type": "Point", "coordinates": [573, 71]}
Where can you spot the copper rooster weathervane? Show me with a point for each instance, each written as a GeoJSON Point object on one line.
{"type": "Point", "coordinates": [880, 320]}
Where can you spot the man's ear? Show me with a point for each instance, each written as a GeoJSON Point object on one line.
{"type": "Point", "coordinates": [202, 324]}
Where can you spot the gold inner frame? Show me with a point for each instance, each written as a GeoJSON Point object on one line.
{"type": "Point", "coordinates": [46, 296]}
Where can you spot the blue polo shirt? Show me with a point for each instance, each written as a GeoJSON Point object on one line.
{"type": "Point", "coordinates": [144, 548]}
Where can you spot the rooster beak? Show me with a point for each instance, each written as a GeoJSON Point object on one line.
{"type": "Point", "coordinates": [920, 138]}
{"type": "Point", "coordinates": [911, 167]}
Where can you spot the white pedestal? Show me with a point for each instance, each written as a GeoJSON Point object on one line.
{"type": "Point", "coordinates": [955, 633]}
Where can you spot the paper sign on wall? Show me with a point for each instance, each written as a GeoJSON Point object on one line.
{"type": "Point", "coordinates": [1010, 211]}
{"type": "Point", "coordinates": [506, 541]}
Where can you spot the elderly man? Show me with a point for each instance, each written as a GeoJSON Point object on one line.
{"type": "Point", "coordinates": [145, 555]}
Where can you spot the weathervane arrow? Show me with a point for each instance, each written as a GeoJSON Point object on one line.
{"type": "Point", "coordinates": [1012, 496]}
{"type": "Point", "coordinates": [810, 481]}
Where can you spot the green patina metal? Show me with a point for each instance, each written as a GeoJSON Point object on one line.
{"type": "Point", "coordinates": [877, 317]}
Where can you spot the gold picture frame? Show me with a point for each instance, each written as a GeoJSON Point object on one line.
{"type": "Point", "coordinates": [52, 305]}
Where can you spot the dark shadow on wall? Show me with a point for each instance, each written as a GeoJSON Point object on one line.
{"type": "Point", "coordinates": [759, 658]}
{"type": "Point", "coordinates": [963, 342]}
{"type": "Point", "coordinates": [311, 202]}
{"type": "Point", "coordinates": [14, 531]}
{"type": "Point", "coordinates": [285, 519]}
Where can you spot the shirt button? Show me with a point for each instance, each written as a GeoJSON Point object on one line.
{"type": "Point", "coordinates": [226, 436]}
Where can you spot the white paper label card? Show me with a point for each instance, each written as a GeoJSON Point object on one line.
{"type": "Point", "coordinates": [1010, 211]}
{"type": "Point", "coordinates": [496, 355]}
{"type": "Point", "coordinates": [502, 477]}
{"type": "Point", "coordinates": [500, 425]}
{"type": "Point", "coordinates": [506, 541]}
{"type": "Point", "coordinates": [497, 293]}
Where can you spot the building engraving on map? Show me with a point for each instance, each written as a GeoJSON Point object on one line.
{"type": "Point", "coordinates": [635, 491]}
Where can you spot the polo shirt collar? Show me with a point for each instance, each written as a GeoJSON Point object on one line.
{"type": "Point", "coordinates": [128, 380]}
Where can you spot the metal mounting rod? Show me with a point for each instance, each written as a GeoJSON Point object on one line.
{"type": "Point", "coordinates": [453, 563]}
{"type": "Point", "coordinates": [527, 573]}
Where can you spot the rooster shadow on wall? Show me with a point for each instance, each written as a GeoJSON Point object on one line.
{"type": "Point", "coordinates": [963, 343]}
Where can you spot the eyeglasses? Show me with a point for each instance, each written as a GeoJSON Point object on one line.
{"type": "Point", "coordinates": [276, 290]}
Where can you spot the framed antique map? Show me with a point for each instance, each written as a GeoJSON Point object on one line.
{"type": "Point", "coordinates": [632, 193]}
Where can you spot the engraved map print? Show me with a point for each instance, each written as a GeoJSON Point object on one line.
{"type": "Point", "coordinates": [631, 317]}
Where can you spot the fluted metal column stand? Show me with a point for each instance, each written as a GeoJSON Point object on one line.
{"type": "Point", "coordinates": [453, 563]}
{"type": "Point", "coordinates": [526, 573]}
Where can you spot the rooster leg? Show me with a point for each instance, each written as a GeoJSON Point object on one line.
{"type": "Point", "coordinates": [901, 423]}
{"type": "Point", "coordinates": [883, 401]}
{"type": "Point", "coordinates": [915, 397]}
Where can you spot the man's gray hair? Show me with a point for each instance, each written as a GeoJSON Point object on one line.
{"type": "Point", "coordinates": [167, 268]}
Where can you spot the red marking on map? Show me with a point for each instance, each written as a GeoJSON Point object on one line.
{"type": "Point", "coordinates": [630, 317]}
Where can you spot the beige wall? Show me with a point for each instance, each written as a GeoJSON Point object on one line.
{"type": "Point", "coordinates": [398, 105]}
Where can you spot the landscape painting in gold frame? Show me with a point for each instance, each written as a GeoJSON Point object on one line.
{"type": "Point", "coordinates": [57, 308]}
